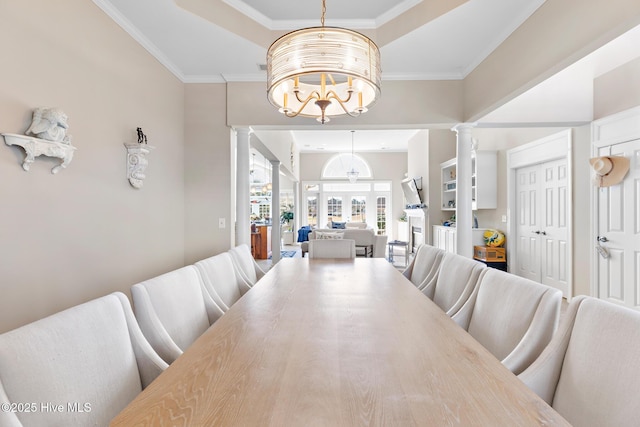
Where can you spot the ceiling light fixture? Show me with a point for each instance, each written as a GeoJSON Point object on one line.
{"type": "Point", "coordinates": [353, 173]}
{"type": "Point", "coordinates": [323, 72]}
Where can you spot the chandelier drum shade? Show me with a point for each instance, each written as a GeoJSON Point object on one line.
{"type": "Point", "coordinates": [323, 72]}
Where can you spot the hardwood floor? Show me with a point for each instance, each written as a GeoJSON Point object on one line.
{"type": "Point", "coordinates": [266, 264]}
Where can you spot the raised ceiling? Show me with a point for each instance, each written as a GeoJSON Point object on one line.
{"type": "Point", "coordinates": [286, 15]}
{"type": "Point", "coordinates": [226, 40]}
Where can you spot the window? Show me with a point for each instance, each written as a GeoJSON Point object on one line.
{"type": "Point", "coordinates": [312, 210]}
{"type": "Point", "coordinates": [334, 208]}
{"type": "Point", "coordinates": [381, 214]}
{"type": "Point", "coordinates": [368, 202]}
{"type": "Point", "coordinates": [358, 209]}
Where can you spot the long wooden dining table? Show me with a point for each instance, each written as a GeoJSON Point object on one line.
{"type": "Point", "coordinates": [326, 342]}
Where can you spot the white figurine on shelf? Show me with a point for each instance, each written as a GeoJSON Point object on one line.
{"type": "Point", "coordinates": [49, 124]}
{"type": "Point", "coordinates": [47, 136]}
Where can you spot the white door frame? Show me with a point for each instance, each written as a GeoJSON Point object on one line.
{"type": "Point", "coordinates": [610, 130]}
{"type": "Point", "coordinates": [553, 147]}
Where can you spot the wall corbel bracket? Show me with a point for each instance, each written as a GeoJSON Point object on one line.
{"type": "Point", "coordinates": [35, 147]}
{"type": "Point", "coordinates": [137, 163]}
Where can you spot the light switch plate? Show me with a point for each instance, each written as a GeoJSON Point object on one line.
{"type": "Point", "coordinates": [222, 223]}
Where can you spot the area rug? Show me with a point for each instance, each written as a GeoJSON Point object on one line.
{"type": "Point", "coordinates": [286, 254]}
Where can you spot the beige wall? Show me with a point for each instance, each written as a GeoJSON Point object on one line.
{"type": "Point", "coordinates": [503, 140]}
{"type": "Point", "coordinates": [282, 145]}
{"type": "Point", "coordinates": [403, 103]}
{"type": "Point", "coordinates": [610, 96]}
{"type": "Point", "coordinates": [418, 161]}
{"type": "Point", "coordinates": [442, 147]}
{"type": "Point", "coordinates": [84, 232]}
{"type": "Point", "coordinates": [582, 244]}
{"type": "Point", "coordinates": [426, 150]}
{"type": "Point", "coordinates": [559, 33]}
{"type": "Point", "coordinates": [208, 174]}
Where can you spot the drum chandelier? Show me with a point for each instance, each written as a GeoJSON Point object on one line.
{"type": "Point", "coordinates": [323, 72]}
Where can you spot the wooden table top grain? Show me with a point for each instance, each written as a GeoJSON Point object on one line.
{"type": "Point", "coordinates": [336, 343]}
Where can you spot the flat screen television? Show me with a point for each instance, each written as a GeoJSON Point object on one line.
{"type": "Point", "coordinates": [411, 193]}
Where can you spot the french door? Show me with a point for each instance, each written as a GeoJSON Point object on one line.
{"type": "Point", "coordinates": [542, 221]}
{"type": "Point", "coordinates": [346, 207]}
{"type": "Point", "coordinates": [363, 202]}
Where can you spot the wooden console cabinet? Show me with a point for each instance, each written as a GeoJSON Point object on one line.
{"type": "Point", "coordinates": [261, 242]}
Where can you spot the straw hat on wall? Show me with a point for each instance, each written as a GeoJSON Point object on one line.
{"type": "Point", "coordinates": [609, 170]}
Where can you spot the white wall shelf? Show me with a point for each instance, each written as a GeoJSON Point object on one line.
{"type": "Point", "coordinates": [35, 147]}
{"type": "Point", "coordinates": [483, 182]}
{"type": "Point", "coordinates": [137, 163]}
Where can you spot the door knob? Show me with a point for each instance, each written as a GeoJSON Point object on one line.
{"type": "Point", "coordinates": [537, 231]}
{"type": "Point", "coordinates": [544, 233]}
{"type": "Point", "coordinates": [602, 239]}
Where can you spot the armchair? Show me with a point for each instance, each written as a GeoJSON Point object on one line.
{"type": "Point", "coordinates": [334, 248]}
{"type": "Point", "coordinates": [93, 352]}
{"type": "Point", "coordinates": [512, 317]}
{"type": "Point", "coordinates": [173, 310]}
{"type": "Point", "coordinates": [589, 372]}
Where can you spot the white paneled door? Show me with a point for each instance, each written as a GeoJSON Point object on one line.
{"type": "Point", "coordinates": [528, 220]}
{"type": "Point", "coordinates": [542, 223]}
{"type": "Point", "coordinates": [618, 231]}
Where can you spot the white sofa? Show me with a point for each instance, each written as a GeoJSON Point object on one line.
{"type": "Point", "coordinates": [362, 237]}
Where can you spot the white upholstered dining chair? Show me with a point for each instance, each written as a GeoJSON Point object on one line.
{"type": "Point", "coordinates": [424, 266]}
{"type": "Point", "coordinates": [92, 353]}
{"type": "Point", "coordinates": [455, 282]}
{"type": "Point", "coordinates": [590, 371]}
{"type": "Point", "coordinates": [332, 248]}
{"type": "Point", "coordinates": [512, 317]}
{"type": "Point", "coordinates": [173, 310]}
{"type": "Point", "coordinates": [222, 280]}
{"type": "Point", "coordinates": [247, 267]}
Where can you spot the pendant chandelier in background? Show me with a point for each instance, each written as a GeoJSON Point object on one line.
{"type": "Point", "coordinates": [323, 72]}
{"type": "Point", "coordinates": [353, 173]}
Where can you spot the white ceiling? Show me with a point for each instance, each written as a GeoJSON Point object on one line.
{"type": "Point", "coordinates": [197, 49]}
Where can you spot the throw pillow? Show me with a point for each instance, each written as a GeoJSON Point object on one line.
{"type": "Point", "coordinates": [329, 235]}
{"type": "Point", "coordinates": [341, 225]}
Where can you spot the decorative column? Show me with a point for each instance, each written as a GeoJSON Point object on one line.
{"type": "Point", "coordinates": [464, 213]}
{"type": "Point", "coordinates": [243, 198]}
{"type": "Point", "coordinates": [297, 210]}
{"type": "Point", "coordinates": [275, 211]}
